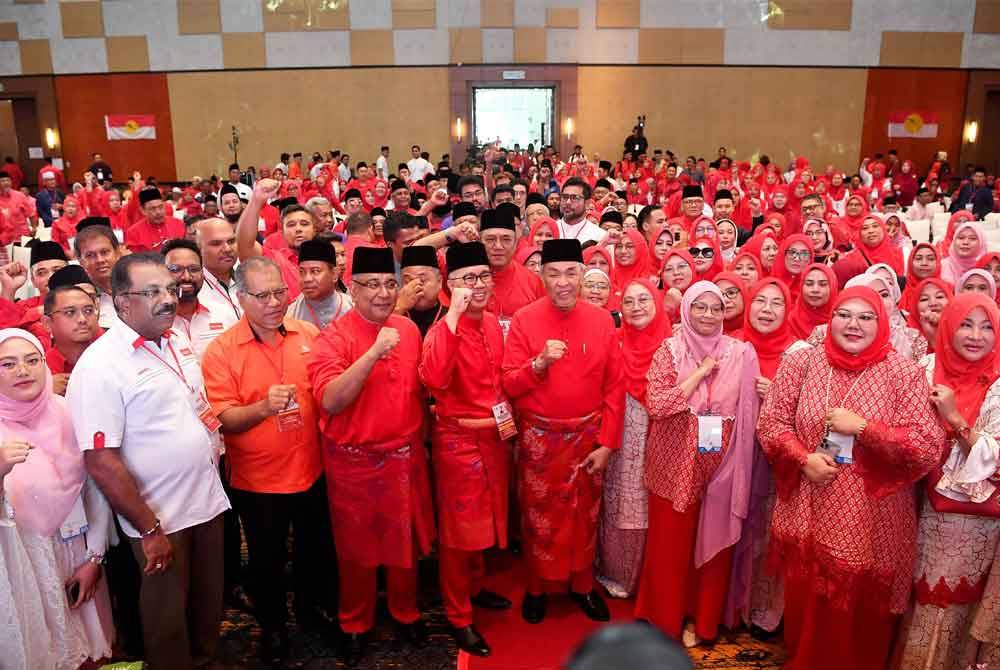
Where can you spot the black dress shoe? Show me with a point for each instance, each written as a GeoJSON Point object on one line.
{"type": "Point", "coordinates": [533, 608]}
{"type": "Point", "coordinates": [415, 633]}
{"type": "Point", "coordinates": [470, 641]}
{"type": "Point", "coordinates": [490, 601]}
{"type": "Point", "coordinates": [352, 648]}
{"type": "Point", "coordinates": [273, 647]}
{"type": "Point", "coordinates": [593, 605]}
{"type": "Point", "coordinates": [237, 598]}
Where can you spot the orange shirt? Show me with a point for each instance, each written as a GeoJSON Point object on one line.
{"type": "Point", "coordinates": [238, 370]}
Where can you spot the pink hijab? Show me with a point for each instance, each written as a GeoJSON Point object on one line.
{"type": "Point", "coordinates": [44, 488]}
{"type": "Point", "coordinates": [952, 266]}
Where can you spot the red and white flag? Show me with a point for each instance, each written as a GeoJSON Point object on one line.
{"type": "Point", "coordinates": [916, 124]}
{"type": "Point", "coordinates": [130, 126]}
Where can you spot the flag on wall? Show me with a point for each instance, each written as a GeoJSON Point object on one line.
{"type": "Point", "coordinates": [915, 124]}
{"type": "Point", "coordinates": [130, 126]}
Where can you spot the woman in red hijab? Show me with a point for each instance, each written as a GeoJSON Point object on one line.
{"type": "Point", "coordinates": [676, 275]}
{"type": "Point", "coordinates": [922, 264]}
{"type": "Point", "coordinates": [632, 261]}
{"type": "Point", "coordinates": [847, 227]}
{"type": "Point", "coordinates": [927, 303]}
{"type": "Point", "coordinates": [777, 200]}
{"type": "Point", "coordinates": [990, 262]}
{"type": "Point", "coordinates": [794, 255]}
{"type": "Point", "coordinates": [874, 248]}
{"type": "Point", "coordinates": [778, 222]}
{"type": "Point", "coordinates": [747, 266]}
{"type": "Point", "coordinates": [905, 184]}
{"type": "Point", "coordinates": [815, 302]}
{"type": "Point", "coordinates": [767, 328]}
{"type": "Point", "coordinates": [848, 429]}
{"type": "Point", "coordinates": [707, 258]}
{"type": "Point", "coordinates": [544, 228]}
{"type": "Point", "coordinates": [622, 536]}
{"type": "Point", "coordinates": [959, 217]}
{"type": "Point", "coordinates": [734, 298]}
{"type": "Point", "coordinates": [955, 621]}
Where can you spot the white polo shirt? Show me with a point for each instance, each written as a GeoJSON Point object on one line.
{"type": "Point", "coordinates": [128, 394]}
{"type": "Point", "coordinates": [220, 298]}
{"type": "Point", "coordinates": [107, 313]}
{"type": "Point", "coordinates": [203, 327]}
{"type": "Point", "coordinates": [584, 231]}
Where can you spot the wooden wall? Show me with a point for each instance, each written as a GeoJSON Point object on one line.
{"type": "Point", "coordinates": [83, 102]}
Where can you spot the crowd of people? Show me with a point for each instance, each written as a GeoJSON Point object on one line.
{"type": "Point", "coordinates": [737, 393]}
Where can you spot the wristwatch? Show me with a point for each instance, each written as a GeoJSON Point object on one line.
{"type": "Point", "coordinates": [96, 559]}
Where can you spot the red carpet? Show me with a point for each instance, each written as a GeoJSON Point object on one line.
{"type": "Point", "coordinates": [518, 645]}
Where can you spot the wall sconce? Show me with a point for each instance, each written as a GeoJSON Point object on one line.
{"type": "Point", "coordinates": [568, 128]}
{"type": "Point", "coordinates": [971, 132]}
{"type": "Point", "coordinates": [459, 130]}
{"type": "Point", "coordinates": [51, 138]}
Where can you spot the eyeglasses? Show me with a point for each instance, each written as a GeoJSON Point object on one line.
{"type": "Point", "coordinates": [469, 195]}
{"type": "Point", "coordinates": [181, 269]}
{"type": "Point", "coordinates": [72, 312]}
{"type": "Point", "coordinates": [731, 293]}
{"type": "Point", "coordinates": [30, 362]}
{"type": "Point", "coordinates": [374, 285]}
{"type": "Point", "coordinates": [677, 267]}
{"type": "Point", "coordinates": [864, 318]}
{"type": "Point", "coordinates": [596, 286]}
{"type": "Point", "coordinates": [154, 292]}
{"type": "Point", "coordinates": [701, 309]}
{"type": "Point", "coordinates": [793, 255]}
{"type": "Point", "coordinates": [633, 302]}
{"type": "Point", "coordinates": [704, 252]}
{"type": "Point", "coordinates": [571, 197]}
{"type": "Point", "coordinates": [761, 301]}
{"type": "Point", "coordinates": [470, 279]}
{"type": "Point", "coordinates": [264, 297]}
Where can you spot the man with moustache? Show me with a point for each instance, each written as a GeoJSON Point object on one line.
{"type": "Point", "coordinates": [197, 321]}
{"type": "Point", "coordinates": [98, 250]}
{"type": "Point", "coordinates": [418, 299]}
{"type": "Point", "coordinates": [155, 228]}
{"type": "Point", "coordinates": [151, 444]}
{"type": "Point", "coordinates": [514, 285]}
{"type": "Point", "coordinates": [255, 377]}
{"type": "Point", "coordinates": [692, 207]}
{"type": "Point", "coordinates": [471, 449]}
{"type": "Point", "coordinates": [380, 503]}
{"type": "Point", "coordinates": [71, 319]}
{"type": "Point", "coordinates": [230, 204]}
{"type": "Point", "coordinates": [320, 303]}
{"type": "Point", "coordinates": [574, 223]}
{"type": "Point", "coordinates": [562, 370]}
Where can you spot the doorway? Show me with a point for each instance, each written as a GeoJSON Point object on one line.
{"type": "Point", "coordinates": [513, 115]}
{"type": "Point", "coordinates": [989, 134]}
{"type": "Point", "coordinates": [8, 131]}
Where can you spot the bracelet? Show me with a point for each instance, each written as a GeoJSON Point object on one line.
{"type": "Point", "coordinates": [96, 559]}
{"type": "Point", "coordinates": [151, 531]}
{"type": "Point", "coordinates": [864, 426]}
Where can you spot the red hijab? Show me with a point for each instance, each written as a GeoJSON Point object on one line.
{"type": "Point", "coordinates": [753, 247]}
{"type": "Point", "coordinates": [781, 271]}
{"type": "Point", "coordinates": [984, 262]}
{"type": "Point", "coordinates": [880, 346]}
{"type": "Point", "coordinates": [781, 219]}
{"type": "Point", "coordinates": [961, 216]}
{"type": "Point", "coordinates": [912, 316]}
{"type": "Point", "coordinates": [912, 280]}
{"type": "Point", "coordinates": [846, 228]}
{"type": "Point", "coordinates": [543, 221]}
{"type": "Point", "coordinates": [589, 253]}
{"type": "Point", "coordinates": [804, 318]}
{"type": "Point", "coordinates": [638, 346]}
{"type": "Point", "coordinates": [771, 346]}
{"type": "Point", "coordinates": [969, 381]}
{"type": "Point", "coordinates": [744, 254]}
{"type": "Point", "coordinates": [687, 259]}
{"type": "Point", "coordinates": [885, 251]}
{"type": "Point", "coordinates": [642, 268]}
{"type": "Point", "coordinates": [779, 188]}
{"type": "Point", "coordinates": [732, 326]}
{"type": "Point", "coordinates": [717, 262]}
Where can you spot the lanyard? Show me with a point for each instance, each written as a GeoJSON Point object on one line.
{"type": "Point", "coordinates": [179, 371]}
{"type": "Point", "coordinates": [829, 381]}
{"type": "Point", "coordinates": [576, 235]}
{"type": "Point", "coordinates": [225, 294]}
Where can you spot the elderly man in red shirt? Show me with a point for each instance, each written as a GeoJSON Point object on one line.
{"type": "Point", "coordinates": [363, 372]}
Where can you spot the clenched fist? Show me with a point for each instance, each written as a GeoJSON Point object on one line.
{"type": "Point", "coordinates": [385, 342]}
{"type": "Point", "coordinates": [553, 351]}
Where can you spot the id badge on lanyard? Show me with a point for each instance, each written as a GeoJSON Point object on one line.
{"type": "Point", "coordinates": [504, 326]}
{"type": "Point", "coordinates": [709, 433]}
{"type": "Point", "coordinates": [204, 411]}
{"type": "Point", "coordinates": [504, 416]}
{"type": "Point", "coordinates": [838, 446]}
{"type": "Point", "coordinates": [290, 418]}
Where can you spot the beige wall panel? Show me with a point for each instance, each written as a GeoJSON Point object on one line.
{"type": "Point", "coordinates": [198, 17]}
{"type": "Point", "coordinates": [529, 45]}
{"type": "Point", "coordinates": [372, 47]}
{"type": "Point", "coordinates": [243, 51]}
{"type": "Point", "coordinates": [692, 46]}
{"type": "Point", "coordinates": [36, 57]}
{"type": "Point", "coordinates": [811, 15]}
{"type": "Point", "coordinates": [414, 14]}
{"type": "Point", "coordinates": [81, 19]}
{"type": "Point", "coordinates": [987, 17]}
{"type": "Point", "coordinates": [562, 17]}
{"type": "Point", "coordinates": [618, 13]}
{"type": "Point", "coordinates": [127, 54]}
{"type": "Point", "coordinates": [8, 31]}
{"type": "Point", "coordinates": [821, 111]}
{"type": "Point", "coordinates": [466, 45]}
{"type": "Point", "coordinates": [369, 116]}
{"type": "Point", "coordinates": [921, 49]}
{"type": "Point", "coordinates": [496, 13]}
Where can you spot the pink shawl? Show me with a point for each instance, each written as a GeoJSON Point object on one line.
{"type": "Point", "coordinates": [44, 488]}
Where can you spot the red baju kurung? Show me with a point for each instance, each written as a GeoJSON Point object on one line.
{"type": "Point", "coordinates": [471, 462]}
{"type": "Point", "coordinates": [573, 407]}
{"type": "Point", "coordinates": [513, 288]}
{"type": "Point", "coordinates": [846, 548]}
{"type": "Point", "coordinates": [376, 468]}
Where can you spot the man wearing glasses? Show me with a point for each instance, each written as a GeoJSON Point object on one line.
{"type": "Point", "coordinates": [152, 446]}
{"type": "Point", "coordinates": [70, 315]}
{"type": "Point", "coordinates": [194, 319]}
{"type": "Point", "coordinates": [363, 371]}
{"type": "Point", "coordinates": [471, 448]}
{"type": "Point", "coordinates": [573, 206]}
{"type": "Point", "coordinates": [256, 380]}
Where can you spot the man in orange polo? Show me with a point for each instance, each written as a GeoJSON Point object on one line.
{"type": "Point", "coordinates": [256, 380]}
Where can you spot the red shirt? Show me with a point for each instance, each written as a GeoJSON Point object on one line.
{"type": "Point", "coordinates": [389, 411]}
{"type": "Point", "coordinates": [587, 379]}
{"type": "Point", "coordinates": [143, 236]}
{"type": "Point", "coordinates": [16, 174]}
{"type": "Point", "coordinates": [514, 287]}
{"type": "Point", "coordinates": [15, 209]}
{"type": "Point", "coordinates": [462, 369]}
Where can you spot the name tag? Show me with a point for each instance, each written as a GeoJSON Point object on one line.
{"type": "Point", "coordinates": [709, 434]}
{"type": "Point", "coordinates": [505, 420]}
{"type": "Point", "coordinates": [290, 418]}
{"type": "Point", "coordinates": [205, 413]}
{"type": "Point", "coordinates": [839, 447]}
{"type": "Point", "coordinates": [504, 326]}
